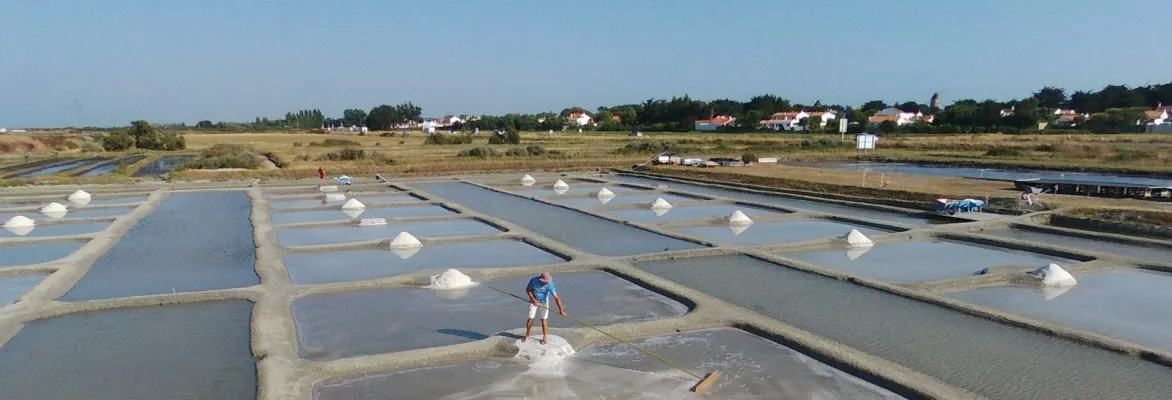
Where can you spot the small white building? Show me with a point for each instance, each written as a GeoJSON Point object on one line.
{"type": "Point", "coordinates": [715, 123]}
{"type": "Point", "coordinates": [1156, 117]}
{"type": "Point", "coordinates": [791, 121]}
{"type": "Point", "coordinates": [580, 118]}
{"type": "Point", "coordinates": [900, 117]}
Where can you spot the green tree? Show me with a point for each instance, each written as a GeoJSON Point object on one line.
{"type": "Point", "coordinates": [409, 112]}
{"type": "Point", "coordinates": [1051, 97]}
{"type": "Point", "coordinates": [381, 118]}
{"type": "Point", "coordinates": [888, 126]}
{"type": "Point", "coordinates": [205, 124]}
{"type": "Point", "coordinates": [874, 105]}
{"type": "Point", "coordinates": [1118, 120]}
{"type": "Point", "coordinates": [353, 116]}
{"type": "Point", "coordinates": [117, 141]}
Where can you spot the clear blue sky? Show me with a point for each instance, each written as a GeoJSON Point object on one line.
{"type": "Point", "coordinates": [106, 62]}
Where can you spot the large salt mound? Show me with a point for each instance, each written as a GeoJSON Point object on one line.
{"type": "Point", "coordinates": [854, 238]}
{"type": "Point", "coordinates": [353, 204]}
{"type": "Point", "coordinates": [1053, 275]}
{"type": "Point", "coordinates": [527, 180]}
{"type": "Point", "coordinates": [19, 221]}
{"type": "Point", "coordinates": [80, 197]}
{"type": "Point", "coordinates": [560, 184]}
{"type": "Point", "coordinates": [20, 230]}
{"type": "Point", "coordinates": [660, 203]}
{"type": "Point", "coordinates": [605, 193]}
{"type": "Point", "coordinates": [739, 218]}
{"type": "Point", "coordinates": [405, 240]}
{"type": "Point", "coordinates": [53, 207]}
{"type": "Point", "coordinates": [543, 356]}
{"type": "Point", "coordinates": [451, 279]}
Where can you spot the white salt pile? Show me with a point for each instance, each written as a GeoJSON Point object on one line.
{"type": "Point", "coordinates": [660, 211]}
{"type": "Point", "coordinates": [335, 197]}
{"type": "Point", "coordinates": [373, 222]}
{"type": "Point", "coordinates": [405, 240]}
{"type": "Point", "coordinates": [737, 230]}
{"type": "Point", "coordinates": [605, 193]}
{"type": "Point", "coordinates": [560, 184]}
{"type": "Point", "coordinates": [856, 252]}
{"type": "Point", "coordinates": [20, 230]}
{"type": "Point", "coordinates": [328, 189]}
{"type": "Point", "coordinates": [527, 180]}
{"type": "Point", "coordinates": [353, 204]}
{"type": "Point", "coordinates": [854, 238]}
{"type": "Point", "coordinates": [660, 203]}
{"type": "Point", "coordinates": [19, 221]}
{"type": "Point", "coordinates": [80, 197]}
{"type": "Point", "coordinates": [739, 218]}
{"type": "Point", "coordinates": [605, 200]}
{"type": "Point", "coordinates": [354, 213]}
{"type": "Point", "coordinates": [1053, 275]}
{"type": "Point", "coordinates": [451, 279]}
{"type": "Point", "coordinates": [54, 210]}
{"type": "Point", "coordinates": [543, 356]}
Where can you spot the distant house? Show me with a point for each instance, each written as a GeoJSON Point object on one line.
{"type": "Point", "coordinates": [899, 117]}
{"type": "Point", "coordinates": [715, 123]}
{"type": "Point", "coordinates": [580, 118]}
{"type": "Point", "coordinates": [449, 120]}
{"type": "Point", "coordinates": [793, 120]}
{"type": "Point", "coordinates": [1156, 117]}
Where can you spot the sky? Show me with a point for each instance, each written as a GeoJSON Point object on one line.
{"type": "Point", "coordinates": [105, 63]}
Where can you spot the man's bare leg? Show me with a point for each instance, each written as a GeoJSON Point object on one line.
{"type": "Point", "coordinates": [544, 330]}
{"type": "Point", "coordinates": [528, 329]}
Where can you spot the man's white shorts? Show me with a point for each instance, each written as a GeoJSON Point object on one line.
{"type": "Point", "coordinates": [544, 310]}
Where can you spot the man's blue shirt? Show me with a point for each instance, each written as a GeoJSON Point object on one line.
{"type": "Point", "coordinates": [541, 290]}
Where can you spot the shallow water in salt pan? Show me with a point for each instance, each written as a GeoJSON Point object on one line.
{"type": "Point", "coordinates": [692, 213]}
{"type": "Point", "coordinates": [12, 287]}
{"type": "Point", "coordinates": [45, 230]}
{"type": "Point", "coordinates": [750, 368]}
{"type": "Point", "coordinates": [343, 266]}
{"type": "Point", "coordinates": [340, 325]}
{"type": "Point", "coordinates": [71, 213]}
{"type": "Point", "coordinates": [1129, 304]}
{"type": "Point", "coordinates": [175, 352]}
{"type": "Point", "coordinates": [1130, 250]}
{"type": "Point", "coordinates": [995, 360]}
{"type": "Point", "coordinates": [589, 202]}
{"type": "Point", "coordinates": [923, 260]}
{"type": "Point", "coordinates": [380, 212]}
{"type": "Point", "coordinates": [355, 233]}
{"type": "Point", "coordinates": [575, 190]}
{"type": "Point", "coordinates": [36, 253]}
{"type": "Point", "coordinates": [776, 232]}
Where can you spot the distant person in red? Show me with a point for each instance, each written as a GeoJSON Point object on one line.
{"type": "Point", "coordinates": [321, 173]}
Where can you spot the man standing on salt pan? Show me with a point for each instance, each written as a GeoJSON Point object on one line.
{"type": "Point", "coordinates": [539, 289]}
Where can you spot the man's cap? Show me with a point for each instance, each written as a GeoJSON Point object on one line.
{"type": "Point", "coordinates": [546, 277]}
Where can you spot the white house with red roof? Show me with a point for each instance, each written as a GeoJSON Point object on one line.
{"type": "Point", "coordinates": [580, 118]}
{"type": "Point", "coordinates": [899, 117]}
{"type": "Point", "coordinates": [715, 123]}
{"type": "Point", "coordinates": [791, 121]}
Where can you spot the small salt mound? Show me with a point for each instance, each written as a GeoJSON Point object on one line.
{"type": "Point", "coordinates": [659, 212]}
{"type": "Point", "coordinates": [19, 221]}
{"type": "Point", "coordinates": [53, 207]}
{"type": "Point", "coordinates": [354, 213]}
{"type": "Point", "coordinates": [20, 230]}
{"type": "Point", "coordinates": [856, 252]}
{"type": "Point", "coordinates": [605, 193]}
{"type": "Point", "coordinates": [543, 356]}
{"type": "Point", "coordinates": [405, 240]}
{"type": "Point", "coordinates": [605, 200]}
{"type": "Point", "coordinates": [373, 222]}
{"type": "Point", "coordinates": [353, 204]}
{"type": "Point", "coordinates": [527, 180]}
{"type": "Point", "coordinates": [451, 279]}
{"type": "Point", "coordinates": [328, 189]}
{"type": "Point", "coordinates": [335, 197]}
{"type": "Point", "coordinates": [560, 190]}
{"type": "Point", "coordinates": [80, 197]}
{"type": "Point", "coordinates": [857, 239]}
{"type": "Point", "coordinates": [737, 230]}
{"type": "Point", "coordinates": [560, 184]}
{"type": "Point", "coordinates": [739, 218]}
{"type": "Point", "coordinates": [660, 203]}
{"type": "Point", "coordinates": [1053, 275]}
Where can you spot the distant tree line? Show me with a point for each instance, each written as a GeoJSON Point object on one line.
{"type": "Point", "coordinates": [381, 117]}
